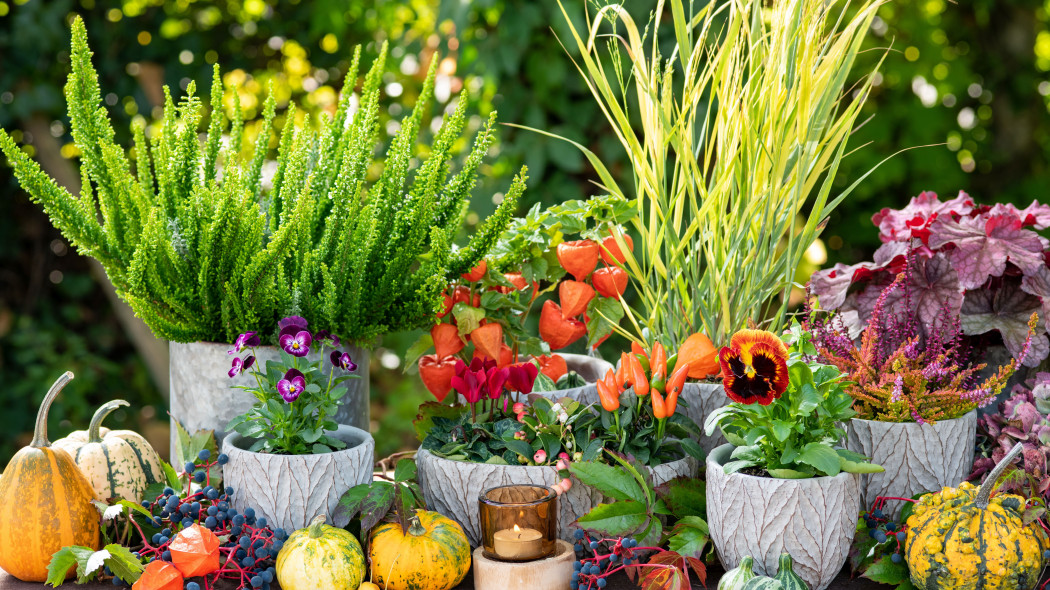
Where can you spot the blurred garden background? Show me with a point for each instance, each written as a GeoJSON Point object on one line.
{"type": "Point", "coordinates": [969, 79]}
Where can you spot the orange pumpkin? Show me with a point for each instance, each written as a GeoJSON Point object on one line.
{"type": "Point", "coordinates": [45, 503]}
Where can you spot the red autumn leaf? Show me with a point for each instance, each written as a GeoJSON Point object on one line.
{"type": "Point", "coordinates": [477, 272]}
{"type": "Point", "coordinates": [668, 573]}
{"type": "Point", "coordinates": [699, 568]}
{"type": "Point", "coordinates": [159, 575]}
{"type": "Point", "coordinates": [195, 551]}
{"type": "Point", "coordinates": [610, 281]}
{"type": "Point", "coordinates": [446, 340]}
{"type": "Point", "coordinates": [984, 245]}
{"type": "Point", "coordinates": [557, 331]}
{"type": "Point", "coordinates": [436, 373]}
{"type": "Point", "coordinates": [553, 366]}
{"type": "Point", "coordinates": [574, 297]}
{"type": "Point", "coordinates": [611, 252]}
{"type": "Point", "coordinates": [578, 258]}
{"type": "Point", "coordinates": [487, 339]}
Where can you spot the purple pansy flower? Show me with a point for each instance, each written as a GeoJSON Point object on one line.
{"type": "Point", "coordinates": [292, 324]}
{"type": "Point", "coordinates": [292, 385]}
{"type": "Point", "coordinates": [241, 365]}
{"type": "Point", "coordinates": [343, 361]}
{"type": "Point", "coordinates": [248, 339]}
{"type": "Point", "coordinates": [323, 335]}
{"type": "Point", "coordinates": [296, 344]}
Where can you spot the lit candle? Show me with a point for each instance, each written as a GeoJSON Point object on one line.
{"type": "Point", "coordinates": [518, 543]}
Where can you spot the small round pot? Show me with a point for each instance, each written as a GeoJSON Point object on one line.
{"type": "Point", "coordinates": [917, 457]}
{"type": "Point", "coordinates": [203, 396]}
{"type": "Point", "coordinates": [701, 399]}
{"type": "Point", "coordinates": [290, 490]}
{"type": "Point", "coordinates": [813, 520]}
{"type": "Point", "coordinates": [452, 488]}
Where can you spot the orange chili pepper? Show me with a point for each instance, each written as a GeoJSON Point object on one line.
{"type": "Point", "coordinates": [607, 393]}
{"type": "Point", "coordinates": [658, 367]}
{"type": "Point", "coordinates": [659, 407]}
{"type": "Point", "coordinates": [641, 382]}
{"type": "Point", "coordinates": [637, 349]}
{"type": "Point", "coordinates": [623, 372]}
{"type": "Point", "coordinates": [675, 385]}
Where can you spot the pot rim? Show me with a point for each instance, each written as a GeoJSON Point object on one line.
{"type": "Point", "coordinates": [963, 417]}
{"type": "Point", "coordinates": [360, 438]}
{"type": "Point", "coordinates": [440, 458]}
{"type": "Point", "coordinates": [713, 460]}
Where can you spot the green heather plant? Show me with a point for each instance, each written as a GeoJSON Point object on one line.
{"type": "Point", "coordinates": [203, 248]}
{"type": "Point", "coordinates": [734, 137]}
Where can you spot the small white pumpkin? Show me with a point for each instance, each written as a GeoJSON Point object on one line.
{"type": "Point", "coordinates": [118, 463]}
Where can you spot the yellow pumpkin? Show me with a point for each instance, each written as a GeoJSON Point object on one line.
{"type": "Point", "coordinates": [320, 556]}
{"type": "Point", "coordinates": [433, 555]}
{"type": "Point", "coordinates": [961, 538]}
{"type": "Point", "coordinates": [118, 463]}
{"type": "Point", "coordinates": [45, 503]}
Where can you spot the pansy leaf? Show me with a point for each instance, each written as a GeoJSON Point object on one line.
{"type": "Point", "coordinates": [1006, 309]}
{"type": "Point", "coordinates": [984, 245]}
{"type": "Point", "coordinates": [821, 457]}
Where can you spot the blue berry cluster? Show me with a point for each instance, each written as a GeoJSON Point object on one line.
{"type": "Point", "coordinates": [883, 530]}
{"type": "Point", "coordinates": [606, 556]}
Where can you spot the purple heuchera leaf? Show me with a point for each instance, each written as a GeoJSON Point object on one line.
{"type": "Point", "coordinates": [831, 285]}
{"type": "Point", "coordinates": [933, 286]}
{"type": "Point", "coordinates": [1006, 309]}
{"type": "Point", "coordinates": [983, 246]}
{"type": "Point", "coordinates": [914, 220]}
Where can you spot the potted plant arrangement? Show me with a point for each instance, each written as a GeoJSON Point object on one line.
{"type": "Point", "coordinates": [289, 438]}
{"type": "Point", "coordinates": [783, 484]}
{"type": "Point", "coordinates": [486, 311]}
{"type": "Point", "coordinates": [203, 250]}
{"type": "Point", "coordinates": [914, 391]}
{"type": "Point", "coordinates": [718, 247]}
{"type": "Point", "coordinates": [494, 440]}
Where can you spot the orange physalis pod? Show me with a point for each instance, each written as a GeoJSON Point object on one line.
{"type": "Point", "coordinates": [195, 551]}
{"type": "Point", "coordinates": [159, 575]}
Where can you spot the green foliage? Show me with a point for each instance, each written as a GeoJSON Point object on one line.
{"type": "Point", "coordinates": [207, 257]}
{"type": "Point", "coordinates": [795, 436]}
{"type": "Point", "coordinates": [391, 501]}
{"type": "Point", "coordinates": [89, 563]}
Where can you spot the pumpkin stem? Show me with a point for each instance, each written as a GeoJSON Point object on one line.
{"type": "Point", "coordinates": [785, 563]}
{"type": "Point", "coordinates": [315, 526]}
{"type": "Point", "coordinates": [985, 493]}
{"type": "Point", "coordinates": [416, 528]}
{"type": "Point", "coordinates": [747, 563]}
{"type": "Point", "coordinates": [40, 430]}
{"type": "Point", "coordinates": [96, 421]}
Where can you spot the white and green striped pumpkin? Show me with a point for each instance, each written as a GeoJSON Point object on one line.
{"type": "Point", "coordinates": [321, 556]}
{"type": "Point", "coordinates": [118, 463]}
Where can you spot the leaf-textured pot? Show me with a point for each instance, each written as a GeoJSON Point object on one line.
{"type": "Point", "coordinates": [452, 488]}
{"type": "Point", "coordinates": [917, 457]}
{"type": "Point", "coordinates": [202, 396]}
{"type": "Point", "coordinates": [813, 520]}
{"type": "Point", "coordinates": [702, 399]}
{"type": "Point", "coordinates": [290, 490]}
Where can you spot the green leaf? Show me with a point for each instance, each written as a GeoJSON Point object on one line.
{"type": "Point", "coordinates": [617, 519]}
{"type": "Point", "coordinates": [310, 435]}
{"type": "Point", "coordinates": [352, 499]}
{"type": "Point", "coordinates": [809, 398]}
{"type": "Point", "coordinates": [611, 481]}
{"type": "Point", "coordinates": [685, 496]}
{"type": "Point", "coordinates": [820, 456]}
{"type": "Point", "coordinates": [781, 430]}
{"type": "Point", "coordinates": [468, 318]}
{"type": "Point", "coordinates": [734, 466]}
{"type": "Point", "coordinates": [604, 313]}
{"type": "Point", "coordinates": [418, 349]}
{"type": "Point", "coordinates": [789, 474]}
{"type": "Point", "coordinates": [64, 559]}
{"type": "Point", "coordinates": [376, 505]}
{"type": "Point", "coordinates": [885, 571]}
{"type": "Point", "coordinates": [519, 447]}
{"type": "Point", "coordinates": [123, 563]}
{"type": "Point", "coordinates": [689, 537]}
{"type": "Point", "coordinates": [136, 507]}
{"type": "Point", "coordinates": [170, 474]}
{"type": "Point", "coordinates": [405, 470]}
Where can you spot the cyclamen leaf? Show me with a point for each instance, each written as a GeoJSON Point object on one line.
{"type": "Point", "coordinates": [1006, 309]}
{"type": "Point", "coordinates": [983, 247]}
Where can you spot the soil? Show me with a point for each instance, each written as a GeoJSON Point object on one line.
{"type": "Point", "coordinates": [755, 471]}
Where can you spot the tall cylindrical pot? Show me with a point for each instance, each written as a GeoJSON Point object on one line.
{"type": "Point", "coordinates": [452, 488]}
{"type": "Point", "coordinates": [700, 400]}
{"type": "Point", "coordinates": [917, 457]}
{"type": "Point", "coordinates": [290, 490]}
{"type": "Point", "coordinates": [813, 520]}
{"type": "Point", "coordinates": [203, 396]}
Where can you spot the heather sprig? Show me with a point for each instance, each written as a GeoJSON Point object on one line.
{"type": "Point", "coordinates": [202, 249]}
{"type": "Point", "coordinates": [902, 370]}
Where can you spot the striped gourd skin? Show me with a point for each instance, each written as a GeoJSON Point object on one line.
{"type": "Point", "coordinates": [787, 576]}
{"type": "Point", "coordinates": [735, 578]}
{"type": "Point", "coordinates": [122, 465]}
{"type": "Point", "coordinates": [45, 504]}
{"type": "Point", "coordinates": [952, 543]}
{"type": "Point", "coordinates": [334, 560]}
{"type": "Point", "coordinates": [436, 558]}
{"type": "Point", "coordinates": [762, 583]}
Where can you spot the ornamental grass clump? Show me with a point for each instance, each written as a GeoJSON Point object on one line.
{"type": "Point", "coordinates": [904, 370]}
{"type": "Point", "coordinates": [734, 138]}
{"type": "Point", "coordinates": [203, 248]}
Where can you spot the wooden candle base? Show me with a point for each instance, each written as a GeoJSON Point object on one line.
{"type": "Point", "coordinates": [552, 573]}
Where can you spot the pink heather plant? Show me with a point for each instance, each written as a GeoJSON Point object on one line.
{"type": "Point", "coordinates": [905, 370]}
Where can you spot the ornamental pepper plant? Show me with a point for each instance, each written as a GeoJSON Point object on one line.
{"type": "Point", "coordinates": [296, 402]}
{"type": "Point", "coordinates": [534, 266]}
{"type": "Point", "coordinates": [787, 409]}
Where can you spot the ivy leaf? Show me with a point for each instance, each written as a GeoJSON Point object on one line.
{"type": "Point", "coordinates": [983, 245]}
{"type": "Point", "coordinates": [611, 481]}
{"type": "Point", "coordinates": [1006, 309]}
{"type": "Point", "coordinates": [884, 571]}
{"type": "Point", "coordinates": [617, 519]}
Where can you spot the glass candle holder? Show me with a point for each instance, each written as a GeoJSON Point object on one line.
{"type": "Point", "coordinates": [518, 522]}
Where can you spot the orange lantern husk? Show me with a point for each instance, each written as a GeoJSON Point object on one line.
{"type": "Point", "coordinates": [195, 551]}
{"type": "Point", "coordinates": [159, 575]}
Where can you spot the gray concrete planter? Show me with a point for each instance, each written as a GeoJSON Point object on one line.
{"type": "Point", "coordinates": [702, 399]}
{"type": "Point", "coordinates": [813, 520]}
{"type": "Point", "coordinates": [452, 488]}
{"type": "Point", "coordinates": [290, 490]}
{"type": "Point", "coordinates": [202, 396]}
{"type": "Point", "coordinates": [917, 457]}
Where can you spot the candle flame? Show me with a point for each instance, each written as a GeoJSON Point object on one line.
{"type": "Point", "coordinates": [517, 529]}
